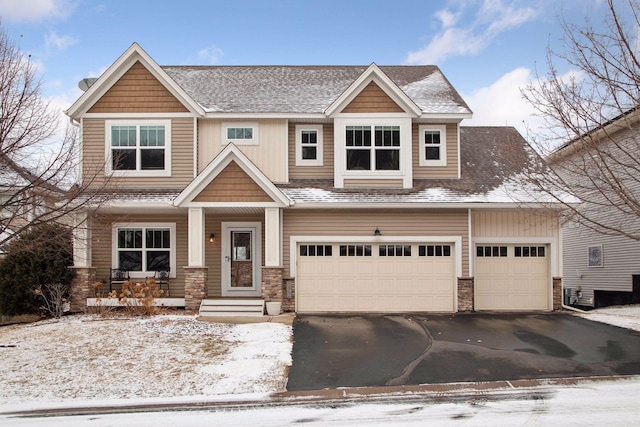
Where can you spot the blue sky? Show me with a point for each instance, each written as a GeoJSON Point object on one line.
{"type": "Point", "coordinates": [488, 49]}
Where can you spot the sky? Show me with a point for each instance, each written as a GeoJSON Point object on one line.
{"type": "Point", "coordinates": [488, 49]}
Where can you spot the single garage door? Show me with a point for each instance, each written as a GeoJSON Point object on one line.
{"type": "Point", "coordinates": [512, 277]}
{"type": "Point", "coordinates": [365, 277]}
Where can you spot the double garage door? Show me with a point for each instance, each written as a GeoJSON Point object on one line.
{"type": "Point", "coordinates": [375, 277]}
{"type": "Point", "coordinates": [405, 277]}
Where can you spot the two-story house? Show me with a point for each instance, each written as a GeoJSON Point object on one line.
{"type": "Point", "coordinates": [329, 188]}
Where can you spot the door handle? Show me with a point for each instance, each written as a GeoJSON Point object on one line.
{"type": "Point", "coordinates": [227, 258]}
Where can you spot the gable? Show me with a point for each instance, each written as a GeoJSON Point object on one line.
{"type": "Point", "coordinates": [138, 91]}
{"type": "Point", "coordinates": [372, 99]}
{"type": "Point", "coordinates": [232, 185]}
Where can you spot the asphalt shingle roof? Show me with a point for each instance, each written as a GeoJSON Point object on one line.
{"type": "Point", "coordinates": [305, 89]}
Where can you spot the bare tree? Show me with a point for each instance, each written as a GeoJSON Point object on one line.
{"type": "Point", "coordinates": [38, 168]}
{"type": "Point", "coordinates": [593, 110]}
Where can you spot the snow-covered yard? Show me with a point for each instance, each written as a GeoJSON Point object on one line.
{"type": "Point", "coordinates": [627, 316]}
{"type": "Point", "coordinates": [86, 358]}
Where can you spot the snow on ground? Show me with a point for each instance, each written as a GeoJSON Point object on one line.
{"type": "Point", "coordinates": [86, 358]}
{"type": "Point", "coordinates": [627, 316]}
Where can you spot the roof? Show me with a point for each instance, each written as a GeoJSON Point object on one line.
{"type": "Point", "coordinates": [493, 172]}
{"type": "Point", "coordinates": [305, 89]}
{"type": "Point", "coordinates": [15, 177]}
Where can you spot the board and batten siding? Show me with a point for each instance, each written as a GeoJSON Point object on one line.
{"type": "Point", "coordinates": [436, 172]}
{"type": "Point", "coordinates": [101, 241]}
{"type": "Point", "coordinates": [620, 262]}
{"type": "Point", "coordinates": [312, 172]}
{"type": "Point", "coordinates": [303, 222]}
{"type": "Point", "coordinates": [513, 223]}
{"type": "Point", "coordinates": [269, 155]}
{"type": "Point", "coordinates": [94, 156]}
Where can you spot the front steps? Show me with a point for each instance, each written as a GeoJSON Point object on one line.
{"type": "Point", "coordinates": [229, 307]}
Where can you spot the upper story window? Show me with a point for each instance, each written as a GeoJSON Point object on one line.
{"type": "Point", "coordinates": [371, 148]}
{"type": "Point", "coordinates": [433, 145]}
{"type": "Point", "coordinates": [309, 145]}
{"type": "Point", "coordinates": [142, 248]}
{"type": "Point", "coordinates": [240, 133]}
{"type": "Point", "coordinates": [138, 148]}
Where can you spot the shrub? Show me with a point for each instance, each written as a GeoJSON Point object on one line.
{"type": "Point", "coordinates": [38, 257]}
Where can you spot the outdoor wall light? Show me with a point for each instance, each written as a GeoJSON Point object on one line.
{"type": "Point", "coordinates": [377, 232]}
{"type": "Point", "coordinates": [212, 238]}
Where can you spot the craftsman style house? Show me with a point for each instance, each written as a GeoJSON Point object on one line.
{"type": "Point", "coordinates": [328, 188]}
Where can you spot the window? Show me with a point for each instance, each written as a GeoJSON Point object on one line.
{"type": "Point", "coordinates": [143, 248]}
{"type": "Point", "coordinates": [433, 145]}
{"type": "Point", "coordinates": [139, 148]}
{"type": "Point", "coordinates": [382, 154]}
{"type": "Point", "coordinates": [395, 250]}
{"type": "Point", "coordinates": [309, 145]}
{"type": "Point", "coordinates": [529, 251]}
{"type": "Point", "coordinates": [355, 250]}
{"type": "Point", "coordinates": [240, 133]}
{"type": "Point", "coordinates": [491, 251]}
{"type": "Point", "coordinates": [434, 250]}
{"type": "Point", "coordinates": [316, 250]}
{"type": "Point", "coordinates": [595, 256]}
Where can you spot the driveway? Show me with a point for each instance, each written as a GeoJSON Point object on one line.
{"type": "Point", "coordinates": [374, 350]}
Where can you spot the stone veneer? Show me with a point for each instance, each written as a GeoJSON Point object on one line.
{"type": "Point", "coordinates": [557, 293]}
{"type": "Point", "coordinates": [289, 292]}
{"type": "Point", "coordinates": [81, 288]}
{"type": "Point", "coordinates": [272, 284]}
{"type": "Point", "coordinates": [465, 294]}
{"type": "Point", "coordinates": [195, 287]}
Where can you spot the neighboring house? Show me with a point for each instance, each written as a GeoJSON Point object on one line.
{"type": "Point", "coordinates": [329, 188]}
{"type": "Point", "coordinates": [601, 268]}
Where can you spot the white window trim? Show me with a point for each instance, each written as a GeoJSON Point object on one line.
{"type": "Point", "coordinates": [443, 145]}
{"type": "Point", "coordinates": [228, 125]}
{"type": "Point", "coordinates": [172, 250]}
{"type": "Point", "coordinates": [601, 264]}
{"type": "Point", "coordinates": [108, 124]}
{"type": "Point", "coordinates": [318, 161]}
{"type": "Point", "coordinates": [340, 164]}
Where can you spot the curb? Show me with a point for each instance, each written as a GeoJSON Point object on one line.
{"type": "Point", "coordinates": [434, 392]}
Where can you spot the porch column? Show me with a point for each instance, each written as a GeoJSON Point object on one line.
{"type": "Point", "coordinates": [195, 282]}
{"type": "Point", "coordinates": [273, 237]}
{"type": "Point", "coordinates": [82, 284]}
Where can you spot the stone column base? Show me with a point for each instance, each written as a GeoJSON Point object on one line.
{"type": "Point", "coordinates": [465, 294]}
{"type": "Point", "coordinates": [82, 288]}
{"type": "Point", "coordinates": [289, 290]}
{"type": "Point", "coordinates": [195, 287]}
{"type": "Point", "coordinates": [557, 293]}
{"type": "Point", "coordinates": [272, 284]}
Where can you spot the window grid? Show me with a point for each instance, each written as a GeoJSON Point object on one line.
{"type": "Point", "coordinates": [492, 251]}
{"type": "Point", "coordinates": [381, 154]}
{"type": "Point", "coordinates": [355, 250]}
{"type": "Point", "coordinates": [137, 148]}
{"type": "Point", "coordinates": [144, 249]}
{"type": "Point", "coordinates": [529, 251]}
{"type": "Point", "coordinates": [316, 250]}
{"type": "Point", "coordinates": [394, 250]}
{"type": "Point", "coordinates": [434, 250]}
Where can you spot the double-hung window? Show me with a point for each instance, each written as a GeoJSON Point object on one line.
{"type": "Point", "coordinates": [143, 248]}
{"type": "Point", "coordinates": [309, 145]}
{"type": "Point", "coordinates": [433, 145]}
{"type": "Point", "coordinates": [372, 148]}
{"type": "Point", "coordinates": [139, 148]}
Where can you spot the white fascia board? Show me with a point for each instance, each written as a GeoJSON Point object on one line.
{"type": "Point", "coordinates": [374, 73]}
{"type": "Point", "coordinates": [419, 205]}
{"type": "Point", "coordinates": [117, 70]}
{"type": "Point", "coordinates": [440, 117]}
{"type": "Point", "coordinates": [236, 205]}
{"type": "Point", "coordinates": [138, 115]}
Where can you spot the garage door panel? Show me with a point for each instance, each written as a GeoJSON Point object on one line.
{"type": "Point", "coordinates": [406, 282]}
{"type": "Point", "coordinates": [504, 281]}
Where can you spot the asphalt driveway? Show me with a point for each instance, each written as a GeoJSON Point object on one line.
{"type": "Point", "coordinates": [375, 350]}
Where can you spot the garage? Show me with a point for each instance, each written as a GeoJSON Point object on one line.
{"type": "Point", "coordinates": [512, 277]}
{"type": "Point", "coordinates": [375, 277]}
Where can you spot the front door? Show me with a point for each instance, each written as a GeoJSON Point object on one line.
{"type": "Point", "coordinates": [241, 260]}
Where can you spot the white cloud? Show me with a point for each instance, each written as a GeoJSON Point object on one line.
{"type": "Point", "coordinates": [211, 54]}
{"type": "Point", "coordinates": [502, 104]}
{"type": "Point", "coordinates": [34, 10]}
{"type": "Point", "coordinates": [55, 42]}
{"type": "Point", "coordinates": [489, 21]}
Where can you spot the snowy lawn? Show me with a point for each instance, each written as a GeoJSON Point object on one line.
{"type": "Point", "coordinates": [81, 358]}
{"type": "Point", "coordinates": [627, 316]}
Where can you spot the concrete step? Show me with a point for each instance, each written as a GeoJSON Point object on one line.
{"type": "Point", "coordinates": [232, 307]}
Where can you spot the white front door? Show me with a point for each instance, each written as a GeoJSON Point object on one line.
{"type": "Point", "coordinates": [241, 259]}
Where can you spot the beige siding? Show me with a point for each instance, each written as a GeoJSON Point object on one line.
{"type": "Point", "coordinates": [213, 251]}
{"type": "Point", "coordinates": [138, 91]}
{"type": "Point", "coordinates": [94, 153]}
{"type": "Point", "coordinates": [299, 222]}
{"type": "Point", "coordinates": [436, 172]}
{"type": "Point", "coordinates": [102, 246]}
{"type": "Point", "coordinates": [372, 99]}
{"type": "Point", "coordinates": [270, 155]}
{"type": "Point", "coordinates": [312, 172]}
{"type": "Point", "coordinates": [372, 183]}
{"type": "Point", "coordinates": [514, 223]}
